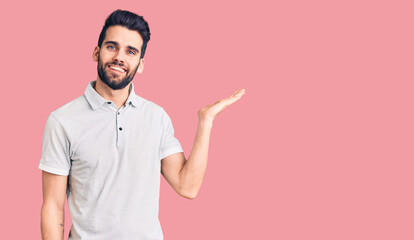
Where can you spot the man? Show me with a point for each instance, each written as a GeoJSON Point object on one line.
{"type": "Point", "coordinates": [105, 150]}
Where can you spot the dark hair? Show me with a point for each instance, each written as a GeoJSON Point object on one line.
{"type": "Point", "coordinates": [129, 20]}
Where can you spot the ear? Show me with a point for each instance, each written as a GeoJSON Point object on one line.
{"type": "Point", "coordinates": [141, 66]}
{"type": "Point", "coordinates": [95, 54]}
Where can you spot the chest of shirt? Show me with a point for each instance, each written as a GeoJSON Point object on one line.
{"type": "Point", "coordinates": [105, 139]}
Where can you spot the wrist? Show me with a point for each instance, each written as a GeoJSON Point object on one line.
{"type": "Point", "coordinates": [205, 121]}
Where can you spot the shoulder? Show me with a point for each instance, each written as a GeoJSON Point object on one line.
{"type": "Point", "coordinates": [150, 105]}
{"type": "Point", "coordinates": [76, 107]}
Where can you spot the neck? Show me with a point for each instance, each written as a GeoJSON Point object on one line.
{"type": "Point", "coordinates": [119, 96]}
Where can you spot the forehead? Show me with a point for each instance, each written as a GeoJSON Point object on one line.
{"type": "Point", "coordinates": [124, 36]}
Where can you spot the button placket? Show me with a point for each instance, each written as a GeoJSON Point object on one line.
{"type": "Point", "coordinates": [119, 126]}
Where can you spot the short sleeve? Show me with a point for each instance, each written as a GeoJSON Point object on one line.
{"type": "Point", "coordinates": [55, 148]}
{"type": "Point", "coordinates": [169, 143]}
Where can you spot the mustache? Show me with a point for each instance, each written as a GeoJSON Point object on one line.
{"type": "Point", "coordinates": [121, 65]}
{"type": "Point", "coordinates": [116, 64]}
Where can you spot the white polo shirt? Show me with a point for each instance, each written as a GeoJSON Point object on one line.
{"type": "Point", "coordinates": [113, 159]}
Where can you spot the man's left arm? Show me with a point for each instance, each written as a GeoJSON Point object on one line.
{"type": "Point", "coordinates": [186, 176]}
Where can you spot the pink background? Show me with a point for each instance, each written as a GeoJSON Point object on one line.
{"type": "Point", "coordinates": [319, 147]}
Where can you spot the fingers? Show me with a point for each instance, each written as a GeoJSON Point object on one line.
{"type": "Point", "coordinates": [239, 93]}
{"type": "Point", "coordinates": [230, 100]}
{"type": "Point", "coordinates": [216, 108]}
{"type": "Point", "coordinates": [236, 96]}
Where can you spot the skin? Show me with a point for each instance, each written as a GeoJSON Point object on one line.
{"type": "Point", "coordinates": [184, 175]}
{"type": "Point", "coordinates": [121, 54]}
{"type": "Point", "coordinates": [52, 212]}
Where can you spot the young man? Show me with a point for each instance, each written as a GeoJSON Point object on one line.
{"type": "Point", "coordinates": [105, 150]}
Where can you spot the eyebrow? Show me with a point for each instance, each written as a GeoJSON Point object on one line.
{"type": "Point", "coordinates": [116, 44]}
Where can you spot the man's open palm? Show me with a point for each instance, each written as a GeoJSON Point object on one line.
{"type": "Point", "coordinates": [211, 111]}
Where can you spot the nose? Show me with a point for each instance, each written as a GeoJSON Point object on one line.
{"type": "Point", "coordinates": [119, 57]}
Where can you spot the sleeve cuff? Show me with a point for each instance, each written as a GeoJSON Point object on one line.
{"type": "Point", "coordinates": [53, 170]}
{"type": "Point", "coordinates": [170, 151]}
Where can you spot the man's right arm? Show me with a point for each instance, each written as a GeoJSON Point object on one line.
{"type": "Point", "coordinates": [53, 212]}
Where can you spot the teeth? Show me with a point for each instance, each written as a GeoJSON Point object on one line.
{"type": "Point", "coordinates": [117, 68]}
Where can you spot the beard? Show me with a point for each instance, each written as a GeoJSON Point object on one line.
{"type": "Point", "coordinates": [111, 79]}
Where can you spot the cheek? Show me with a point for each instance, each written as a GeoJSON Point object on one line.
{"type": "Point", "coordinates": [105, 56]}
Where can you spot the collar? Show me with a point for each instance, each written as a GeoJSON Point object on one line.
{"type": "Point", "coordinates": [96, 100]}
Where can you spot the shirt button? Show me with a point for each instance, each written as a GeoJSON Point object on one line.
{"type": "Point", "coordinates": [109, 102]}
{"type": "Point", "coordinates": [119, 113]}
{"type": "Point", "coordinates": [120, 129]}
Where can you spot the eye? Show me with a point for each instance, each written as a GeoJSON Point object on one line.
{"type": "Point", "coordinates": [131, 52]}
{"type": "Point", "coordinates": [111, 47]}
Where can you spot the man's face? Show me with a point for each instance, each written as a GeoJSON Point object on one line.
{"type": "Point", "coordinates": [119, 57]}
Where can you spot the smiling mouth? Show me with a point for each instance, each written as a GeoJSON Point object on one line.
{"type": "Point", "coordinates": [116, 69]}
